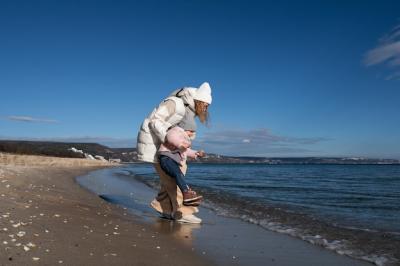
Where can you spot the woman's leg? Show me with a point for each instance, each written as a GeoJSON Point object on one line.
{"type": "Point", "coordinates": [172, 204]}
{"type": "Point", "coordinates": [171, 168]}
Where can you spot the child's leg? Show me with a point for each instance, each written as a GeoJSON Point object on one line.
{"type": "Point", "coordinates": [171, 168]}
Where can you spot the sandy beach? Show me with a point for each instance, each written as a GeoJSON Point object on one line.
{"type": "Point", "coordinates": [46, 218]}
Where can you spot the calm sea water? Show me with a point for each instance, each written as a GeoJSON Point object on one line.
{"type": "Point", "coordinates": [353, 209]}
{"type": "Point", "coordinates": [360, 196]}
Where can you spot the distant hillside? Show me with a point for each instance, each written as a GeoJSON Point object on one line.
{"type": "Point", "coordinates": [125, 154]}
{"type": "Point", "coordinates": [62, 149]}
{"type": "Point", "coordinates": [57, 149]}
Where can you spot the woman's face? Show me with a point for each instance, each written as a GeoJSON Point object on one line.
{"type": "Point", "coordinates": [204, 106]}
{"type": "Point", "coordinates": [202, 111]}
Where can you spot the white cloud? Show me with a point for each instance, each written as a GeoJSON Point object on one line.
{"type": "Point", "coordinates": [255, 142]}
{"type": "Point", "coordinates": [30, 119]}
{"type": "Point", "coordinates": [237, 142]}
{"type": "Point", "coordinates": [386, 53]}
{"type": "Point", "coordinates": [395, 75]}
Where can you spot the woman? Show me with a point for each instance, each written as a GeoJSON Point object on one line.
{"type": "Point", "coordinates": [183, 102]}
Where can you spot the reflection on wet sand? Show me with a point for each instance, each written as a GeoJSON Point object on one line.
{"type": "Point", "coordinates": [182, 232]}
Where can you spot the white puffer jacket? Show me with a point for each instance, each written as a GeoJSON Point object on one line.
{"type": "Point", "coordinates": [154, 128]}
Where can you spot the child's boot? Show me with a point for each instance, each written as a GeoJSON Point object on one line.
{"type": "Point", "coordinates": [190, 196]}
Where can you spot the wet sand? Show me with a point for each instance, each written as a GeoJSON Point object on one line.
{"type": "Point", "coordinates": [46, 218]}
{"type": "Point", "coordinates": [225, 241]}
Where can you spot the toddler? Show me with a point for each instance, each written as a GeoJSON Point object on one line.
{"type": "Point", "coordinates": [173, 153]}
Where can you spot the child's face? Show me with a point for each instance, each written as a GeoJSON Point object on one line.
{"type": "Point", "coordinates": [189, 133]}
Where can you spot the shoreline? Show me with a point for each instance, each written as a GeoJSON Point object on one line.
{"type": "Point", "coordinates": [224, 240]}
{"type": "Point", "coordinates": [46, 218]}
{"type": "Point", "coordinates": [378, 247]}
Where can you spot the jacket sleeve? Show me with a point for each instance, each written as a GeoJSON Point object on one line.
{"type": "Point", "coordinates": [158, 124]}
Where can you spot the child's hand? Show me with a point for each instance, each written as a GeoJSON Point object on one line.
{"type": "Point", "coordinates": [200, 153]}
{"type": "Point", "coordinates": [184, 146]}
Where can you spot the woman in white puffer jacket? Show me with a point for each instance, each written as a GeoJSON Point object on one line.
{"type": "Point", "coordinates": [186, 101]}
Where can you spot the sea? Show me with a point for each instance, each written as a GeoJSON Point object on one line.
{"type": "Point", "coordinates": [353, 210]}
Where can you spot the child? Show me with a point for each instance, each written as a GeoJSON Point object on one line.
{"type": "Point", "coordinates": [173, 153]}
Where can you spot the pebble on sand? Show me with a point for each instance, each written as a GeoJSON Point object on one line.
{"type": "Point", "coordinates": [30, 244]}
{"type": "Point", "coordinates": [16, 225]}
{"type": "Point", "coordinates": [21, 233]}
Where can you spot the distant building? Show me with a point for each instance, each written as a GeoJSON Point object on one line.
{"type": "Point", "coordinates": [101, 158]}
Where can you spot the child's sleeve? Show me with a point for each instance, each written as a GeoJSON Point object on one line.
{"type": "Point", "coordinates": [175, 136]}
{"type": "Point", "coordinates": [191, 153]}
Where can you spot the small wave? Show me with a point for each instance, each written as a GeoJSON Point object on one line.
{"type": "Point", "coordinates": [364, 244]}
{"type": "Point", "coordinates": [342, 246]}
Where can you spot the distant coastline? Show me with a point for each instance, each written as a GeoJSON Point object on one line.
{"type": "Point", "coordinates": [129, 155]}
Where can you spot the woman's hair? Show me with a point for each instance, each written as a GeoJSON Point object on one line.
{"type": "Point", "coordinates": [201, 109]}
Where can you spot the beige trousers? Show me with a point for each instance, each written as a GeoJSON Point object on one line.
{"type": "Point", "coordinates": [169, 199]}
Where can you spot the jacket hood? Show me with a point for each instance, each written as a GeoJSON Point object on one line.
{"type": "Point", "coordinates": [187, 95]}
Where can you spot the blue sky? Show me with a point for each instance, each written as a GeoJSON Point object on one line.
{"type": "Point", "coordinates": [309, 78]}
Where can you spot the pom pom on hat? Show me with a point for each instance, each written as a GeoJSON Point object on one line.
{"type": "Point", "coordinates": [203, 93]}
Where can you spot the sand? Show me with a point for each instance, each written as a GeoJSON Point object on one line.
{"type": "Point", "coordinates": [46, 218]}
